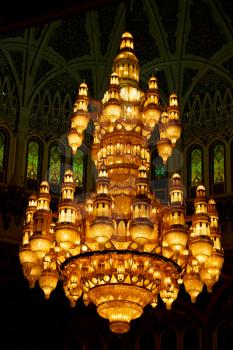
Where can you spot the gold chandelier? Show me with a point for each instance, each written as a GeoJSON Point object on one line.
{"type": "Point", "coordinates": [121, 248]}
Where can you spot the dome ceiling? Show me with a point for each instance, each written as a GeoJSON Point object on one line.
{"type": "Point", "coordinates": [187, 44]}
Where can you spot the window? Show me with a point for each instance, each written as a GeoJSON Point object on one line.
{"type": "Point", "coordinates": [195, 169]}
{"type": "Point", "coordinates": [217, 168]}
{"type": "Point", "coordinates": [3, 150]}
{"type": "Point", "coordinates": [218, 164]}
{"type": "Point", "coordinates": [33, 157]}
{"type": "Point", "coordinates": [78, 167]}
{"type": "Point", "coordinates": [158, 176]}
{"type": "Point", "coordinates": [55, 164]}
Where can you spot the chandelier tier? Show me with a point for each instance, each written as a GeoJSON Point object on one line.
{"type": "Point", "coordinates": [121, 248]}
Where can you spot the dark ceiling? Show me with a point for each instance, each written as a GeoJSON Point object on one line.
{"type": "Point", "coordinates": [19, 15]}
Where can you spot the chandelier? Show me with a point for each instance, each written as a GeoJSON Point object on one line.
{"type": "Point", "coordinates": [120, 248]}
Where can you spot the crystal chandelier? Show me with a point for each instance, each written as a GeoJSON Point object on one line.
{"type": "Point", "coordinates": [121, 248]}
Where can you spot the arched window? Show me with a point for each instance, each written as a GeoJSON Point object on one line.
{"type": "Point", "coordinates": [195, 164]}
{"type": "Point", "coordinates": [33, 160]}
{"type": "Point", "coordinates": [3, 150]}
{"type": "Point", "coordinates": [78, 167]}
{"type": "Point", "coordinates": [55, 165]}
{"type": "Point", "coordinates": [147, 341]}
{"type": "Point", "coordinates": [168, 340]}
{"type": "Point", "coordinates": [158, 176]}
{"type": "Point", "coordinates": [217, 168]}
{"type": "Point", "coordinates": [191, 339]}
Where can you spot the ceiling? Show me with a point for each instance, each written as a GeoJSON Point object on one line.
{"type": "Point", "coordinates": [46, 50]}
{"type": "Point", "coordinates": [38, 13]}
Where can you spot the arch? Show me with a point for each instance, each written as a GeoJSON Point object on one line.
{"type": "Point", "coordinates": [55, 164]}
{"type": "Point", "coordinates": [191, 338]}
{"type": "Point", "coordinates": [8, 96]}
{"type": "Point", "coordinates": [4, 145]}
{"type": "Point", "coordinates": [169, 339]}
{"type": "Point", "coordinates": [78, 167]}
{"type": "Point", "coordinates": [33, 159]}
{"type": "Point", "coordinates": [195, 168]}
{"type": "Point", "coordinates": [147, 341]}
{"type": "Point", "coordinates": [228, 101]}
{"type": "Point", "coordinates": [217, 167]}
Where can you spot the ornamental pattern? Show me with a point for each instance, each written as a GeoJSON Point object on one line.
{"type": "Point", "coordinates": [8, 101]}
{"type": "Point", "coordinates": [50, 113]}
{"type": "Point", "coordinates": [196, 167]}
{"type": "Point", "coordinates": [210, 82]}
{"type": "Point", "coordinates": [33, 160]}
{"type": "Point", "coordinates": [205, 116]}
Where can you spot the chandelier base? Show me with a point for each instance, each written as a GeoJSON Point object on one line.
{"type": "Point", "coordinates": [119, 327]}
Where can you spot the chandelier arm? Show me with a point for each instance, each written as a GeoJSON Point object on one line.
{"type": "Point", "coordinates": [119, 252]}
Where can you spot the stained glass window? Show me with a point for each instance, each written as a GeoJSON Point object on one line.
{"type": "Point", "coordinates": [55, 164]}
{"type": "Point", "coordinates": [159, 168]}
{"type": "Point", "coordinates": [78, 167]}
{"type": "Point", "coordinates": [196, 167]}
{"type": "Point", "coordinates": [33, 160]}
{"type": "Point", "coordinates": [218, 164]}
{"type": "Point", "coordinates": [2, 149]}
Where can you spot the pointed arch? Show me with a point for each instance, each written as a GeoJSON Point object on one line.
{"type": "Point", "coordinates": [195, 168]}
{"type": "Point", "coordinates": [217, 167]}
{"type": "Point", "coordinates": [228, 101]}
{"type": "Point", "coordinates": [33, 163]}
{"type": "Point", "coordinates": [55, 166]}
{"type": "Point", "coordinates": [78, 165]}
{"type": "Point", "coordinates": [33, 159]}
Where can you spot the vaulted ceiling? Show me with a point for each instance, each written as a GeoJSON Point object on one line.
{"type": "Point", "coordinates": [188, 44]}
